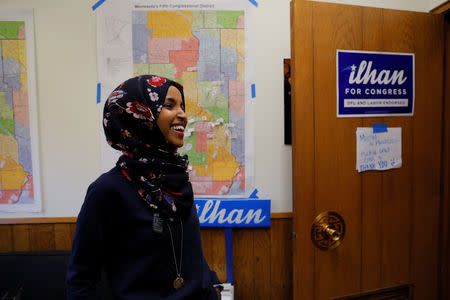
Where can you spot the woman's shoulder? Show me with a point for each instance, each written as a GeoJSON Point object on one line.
{"type": "Point", "coordinates": [111, 181]}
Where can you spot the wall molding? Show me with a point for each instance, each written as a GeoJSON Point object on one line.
{"type": "Point", "coordinates": [60, 220]}
{"type": "Point", "coordinates": [65, 220]}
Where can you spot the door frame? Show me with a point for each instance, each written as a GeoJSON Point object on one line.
{"type": "Point", "coordinates": [444, 281]}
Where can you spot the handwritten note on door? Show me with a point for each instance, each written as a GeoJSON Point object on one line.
{"type": "Point", "coordinates": [378, 151]}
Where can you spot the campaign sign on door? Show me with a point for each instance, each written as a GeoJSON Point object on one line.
{"type": "Point", "coordinates": [374, 84]}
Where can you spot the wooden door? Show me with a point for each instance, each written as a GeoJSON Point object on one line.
{"type": "Point", "coordinates": [392, 217]}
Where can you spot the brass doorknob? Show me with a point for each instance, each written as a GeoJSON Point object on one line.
{"type": "Point", "coordinates": [328, 230]}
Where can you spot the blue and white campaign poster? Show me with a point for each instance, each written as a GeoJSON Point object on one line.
{"type": "Point", "coordinates": [216, 212]}
{"type": "Point", "coordinates": [374, 84]}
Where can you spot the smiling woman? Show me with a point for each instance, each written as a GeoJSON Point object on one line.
{"type": "Point", "coordinates": [138, 222]}
{"type": "Point", "coordinates": [172, 119]}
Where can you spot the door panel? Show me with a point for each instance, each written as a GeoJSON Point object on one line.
{"type": "Point", "coordinates": [392, 217]}
{"type": "Point", "coordinates": [339, 28]}
{"type": "Point", "coordinates": [372, 182]}
{"type": "Point", "coordinates": [303, 160]}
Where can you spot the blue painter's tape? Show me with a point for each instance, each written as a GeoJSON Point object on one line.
{"type": "Point", "coordinates": [254, 2]}
{"type": "Point", "coordinates": [96, 5]}
{"type": "Point", "coordinates": [379, 127]}
{"type": "Point", "coordinates": [229, 254]}
{"type": "Point", "coordinates": [254, 195]}
{"type": "Point", "coordinates": [253, 91]}
{"type": "Point", "coordinates": [99, 92]}
{"type": "Point", "coordinates": [233, 213]}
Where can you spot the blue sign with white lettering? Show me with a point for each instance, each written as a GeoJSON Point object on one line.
{"type": "Point", "coordinates": [233, 213]}
{"type": "Point", "coordinates": [373, 84]}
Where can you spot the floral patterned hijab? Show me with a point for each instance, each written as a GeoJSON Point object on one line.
{"type": "Point", "coordinates": [157, 172]}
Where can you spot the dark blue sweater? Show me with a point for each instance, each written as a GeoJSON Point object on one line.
{"type": "Point", "coordinates": [114, 232]}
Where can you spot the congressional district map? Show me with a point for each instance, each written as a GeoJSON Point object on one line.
{"type": "Point", "coordinates": [16, 166]}
{"type": "Point", "coordinates": [203, 50]}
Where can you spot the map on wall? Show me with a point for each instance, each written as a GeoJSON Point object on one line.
{"type": "Point", "coordinates": [18, 174]}
{"type": "Point", "coordinates": [203, 47]}
{"type": "Point", "coordinates": [204, 51]}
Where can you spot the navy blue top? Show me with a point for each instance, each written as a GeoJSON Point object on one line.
{"type": "Point", "coordinates": [114, 232]}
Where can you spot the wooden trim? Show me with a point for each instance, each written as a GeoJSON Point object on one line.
{"type": "Point", "coordinates": [397, 291]}
{"type": "Point", "coordinates": [38, 220]}
{"type": "Point", "coordinates": [281, 215]}
{"type": "Point", "coordinates": [443, 8]}
{"type": "Point", "coordinates": [64, 220]}
{"type": "Point", "coordinates": [444, 246]}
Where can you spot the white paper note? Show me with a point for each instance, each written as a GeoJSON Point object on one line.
{"type": "Point", "coordinates": [378, 151]}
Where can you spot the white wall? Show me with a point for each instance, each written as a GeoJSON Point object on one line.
{"type": "Point", "coordinates": [66, 79]}
{"type": "Point", "coordinates": [69, 125]}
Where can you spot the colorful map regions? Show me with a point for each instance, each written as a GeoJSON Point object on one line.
{"type": "Point", "coordinates": [205, 52]}
{"type": "Point", "coordinates": [16, 171]}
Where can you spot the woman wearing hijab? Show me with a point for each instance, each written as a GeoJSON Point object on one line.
{"type": "Point", "coordinates": [138, 221]}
